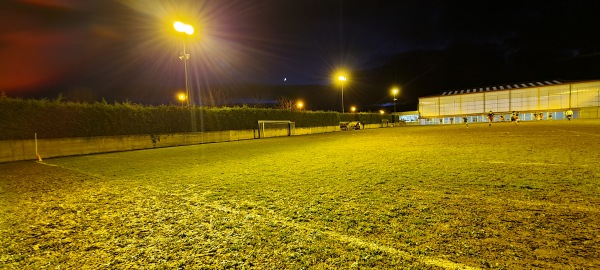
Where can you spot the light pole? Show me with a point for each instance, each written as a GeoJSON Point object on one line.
{"type": "Point", "coordinates": [394, 93]}
{"type": "Point", "coordinates": [189, 30]}
{"type": "Point", "coordinates": [300, 105]}
{"type": "Point", "coordinates": [342, 80]}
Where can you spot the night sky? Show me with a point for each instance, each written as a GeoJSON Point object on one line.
{"type": "Point", "coordinates": [264, 49]}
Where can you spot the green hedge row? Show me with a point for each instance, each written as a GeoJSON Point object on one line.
{"type": "Point", "coordinates": [367, 118]}
{"type": "Point", "coordinates": [21, 118]}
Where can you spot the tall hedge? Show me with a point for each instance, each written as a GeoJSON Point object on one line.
{"type": "Point", "coordinates": [21, 118]}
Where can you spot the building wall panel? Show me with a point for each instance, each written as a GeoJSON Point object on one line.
{"type": "Point", "coordinates": [497, 101]}
{"type": "Point", "coordinates": [428, 107]}
{"type": "Point", "coordinates": [585, 95]}
{"type": "Point", "coordinates": [472, 103]}
{"type": "Point", "coordinates": [542, 98]}
{"type": "Point", "coordinates": [449, 105]}
{"type": "Point", "coordinates": [558, 98]}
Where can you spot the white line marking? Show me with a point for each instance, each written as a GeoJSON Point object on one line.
{"type": "Point", "coordinates": [348, 239]}
{"type": "Point", "coordinates": [47, 164]}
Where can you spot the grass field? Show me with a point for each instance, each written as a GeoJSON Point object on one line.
{"type": "Point", "coordinates": [424, 197]}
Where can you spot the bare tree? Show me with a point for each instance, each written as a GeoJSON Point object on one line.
{"type": "Point", "coordinates": [215, 98]}
{"type": "Point", "coordinates": [284, 103]}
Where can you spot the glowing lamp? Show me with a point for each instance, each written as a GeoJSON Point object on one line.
{"type": "Point", "coordinates": [183, 28]}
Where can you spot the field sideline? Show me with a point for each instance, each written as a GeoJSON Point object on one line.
{"type": "Point", "coordinates": [416, 197]}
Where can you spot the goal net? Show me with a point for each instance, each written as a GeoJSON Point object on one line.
{"type": "Point", "coordinates": [275, 128]}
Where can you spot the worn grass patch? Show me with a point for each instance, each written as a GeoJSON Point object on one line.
{"type": "Point", "coordinates": [426, 197]}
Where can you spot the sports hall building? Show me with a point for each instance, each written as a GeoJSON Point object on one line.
{"type": "Point", "coordinates": [546, 99]}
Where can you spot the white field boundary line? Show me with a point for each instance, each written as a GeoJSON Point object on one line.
{"type": "Point", "coordinates": [348, 239]}
{"type": "Point", "coordinates": [49, 164]}
{"type": "Point", "coordinates": [99, 176]}
{"type": "Point", "coordinates": [331, 234]}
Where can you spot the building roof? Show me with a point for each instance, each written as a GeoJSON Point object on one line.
{"type": "Point", "coordinates": [500, 87]}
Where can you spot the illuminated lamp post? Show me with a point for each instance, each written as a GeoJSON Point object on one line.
{"type": "Point", "coordinates": [394, 93]}
{"type": "Point", "coordinates": [189, 30]}
{"type": "Point", "coordinates": [342, 80]}
{"type": "Point", "coordinates": [300, 105]}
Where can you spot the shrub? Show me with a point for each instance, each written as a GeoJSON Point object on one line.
{"type": "Point", "coordinates": [21, 118]}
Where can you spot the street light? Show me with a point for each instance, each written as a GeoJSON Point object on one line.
{"type": "Point", "coordinates": [183, 28]}
{"type": "Point", "coordinates": [395, 92]}
{"type": "Point", "coordinates": [181, 97]}
{"type": "Point", "coordinates": [342, 80]}
{"type": "Point", "coordinates": [299, 104]}
{"type": "Point", "coordinates": [189, 30]}
{"type": "Point", "coordinates": [353, 109]}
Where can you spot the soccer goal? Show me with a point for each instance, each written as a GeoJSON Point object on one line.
{"type": "Point", "coordinates": [385, 123]}
{"type": "Point", "coordinates": [275, 128]}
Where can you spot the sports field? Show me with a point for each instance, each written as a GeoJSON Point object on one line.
{"type": "Point", "coordinates": [422, 197]}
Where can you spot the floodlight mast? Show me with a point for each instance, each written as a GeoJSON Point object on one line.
{"type": "Point", "coordinates": [394, 93]}
{"type": "Point", "coordinates": [189, 30]}
{"type": "Point", "coordinates": [185, 57]}
{"type": "Point", "coordinates": [342, 80]}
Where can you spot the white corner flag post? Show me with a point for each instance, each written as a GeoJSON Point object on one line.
{"type": "Point", "coordinates": [39, 158]}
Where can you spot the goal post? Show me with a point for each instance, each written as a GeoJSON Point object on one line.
{"type": "Point", "coordinates": [275, 128]}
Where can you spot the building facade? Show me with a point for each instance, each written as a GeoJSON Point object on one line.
{"type": "Point", "coordinates": [538, 100]}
